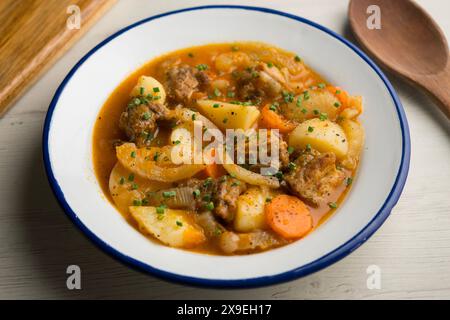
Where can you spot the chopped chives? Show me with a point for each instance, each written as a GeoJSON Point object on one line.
{"type": "Point", "coordinates": [160, 209]}
{"type": "Point", "coordinates": [196, 193]}
{"type": "Point", "coordinates": [348, 181]}
{"type": "Point", "coordinates": [332, 205]}
{"type": "Point", "coordinates": [169, 194]}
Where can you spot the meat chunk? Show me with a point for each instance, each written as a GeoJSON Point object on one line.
{"type": "Point", "coordinates": [227, 192]}
{"type": "Point", "coordinates": [139, 121]}
{"type": "Point", "coordinates": [255, 84]}
{"type": "Point", "coordinates": [183, 81]}
{"type": "Point", "coordinates": [314, 176]}
{"type": "Point", "coordinates": [284, 153]}
{"type": "Point", "coordinates": [222, 193]}
{"type": "Point", "coordinates": [247, 87]}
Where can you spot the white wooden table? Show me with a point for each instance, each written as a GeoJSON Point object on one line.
{"type": "Point", "coordinates": [37, 241]}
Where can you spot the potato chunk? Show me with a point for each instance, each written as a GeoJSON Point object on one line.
{"type": "Point", "coordinates": [172, 227]}
{"type": "Point", "coordinates": [250, 211]}
{"type": "Point", "coordinates": [324, 136]}
{"type": "Point", "coordinates": [355, 135]}
{"type": "Point", "coordinates": [149, 86]}
{"type": "Point", "coordinates": [126, 188]}
{"type": "Point", "coordinates": [318, 102]}
{"type": "Point", "coordinates": [228, 115]}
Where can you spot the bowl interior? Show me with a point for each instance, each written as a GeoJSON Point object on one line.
{"type": "Point", "coordinates": [76, 108]}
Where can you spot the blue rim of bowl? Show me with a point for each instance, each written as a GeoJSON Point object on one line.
{"type": "Point", "coordinates": [301, 271]}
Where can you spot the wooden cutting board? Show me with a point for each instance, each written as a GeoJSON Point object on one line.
{"type": "Point", "coordinates": [34, 34]}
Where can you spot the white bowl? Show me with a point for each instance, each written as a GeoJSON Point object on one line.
{"type": "Point", "coordinates": [67, 143]}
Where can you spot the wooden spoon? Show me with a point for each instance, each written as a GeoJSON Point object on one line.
{"type": "Point", "coordinates": [408, 43]}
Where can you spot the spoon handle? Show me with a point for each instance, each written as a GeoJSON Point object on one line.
{"type": "Point", "coordinates": [438, 87]}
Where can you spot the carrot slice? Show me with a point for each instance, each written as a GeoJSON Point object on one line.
{"type": "Point", "coordinates": [340, 94]}
{"type": "Point", "coordinates": [215, 170]}
{"type": "Point", "coordinates": [272, 120]}
{"type": "Point", "coordinates": [288, 216]}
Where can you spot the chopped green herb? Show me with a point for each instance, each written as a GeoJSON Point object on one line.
{"type": "Point", "coordinates": [321, 85]}
{"type": "Point", "coordinates": [134, 186]}
{"type": "Point", "coordinates": [306, 95]}
{"type": "Point", "coordinates": [236, 183]}
{"type": "Point", "coordinates": [288, 97]}
{"type": "Point", "coordinates": [304, 110]}
{"type": "Point", "coordinates": [299, 102]}
{"type": "Point", "coordinates": [323, 116]}
{"type": "Point", "coordinates": [137, 202]}
{"type": "Point", "coordinates": [179, 223]}
{"type": "Point", "coordinates": [209, 206]}
{"type": "Point", "coordinates": [292, 166]}
{"type": "Point", "coordinates": [225, 120]}
{"type": "Point", "coordinates": [290, 150]}
{"type": "Point", "coordinates": [169, 194]}
{"type": "Point", "coordinates": [308, 147]}
{"type": "Point", "coordinates": [348, 181]}
{"type": "Point", "coordinates": [279, 175]}
{"type": "Point", "coordinates": [268, 199]}
{"type": "Point", "coordinates": [155, 89]}
{"type": "Point", "coordinates": [190, 55]}
{"type": "Point", "coordinates": [316, 111]}
{"type": "Point", "coordinates": [297, 58]}
{"type": "Point", "coordinates": [337, 104]}
{"type": "Point", "coordinates": [133, 154]}
{"type": "Point", "coordinates": [217, 232]}
{"type": "Point", "coordinates": [273, 107]}
{"type": "Point", "coordinates": [141, 90]}
{"type": "Point", "coordinates": [338, 92]}
{"type": "Point", "coordinates": [230, 94]}
{"type": "Point", "coordinates": [122, 180]}
{"type": "Point", "coordinates": [207, 182]}
{"type": "Point", "coordinates": [146, 116]}
{"type": "Point", "coordinates": [207, 197]}
{"type": "Point", "coordinates": [217, 92]}
{"type": "Point", "coordinates": [155, 156]}
{"type": "Point", "coordinates": [332, 205]}
{"type": "Point", "coordinates": [202, 67]}
{"type": "Point", "coordinates": [193, 116]}
{"type": "Point", "coordinates": [216, 105]}
{"type": "Point", "coordinates": [160, 209]}
{"type": "Point", "coordinates": [196, 193]}
{"type": "Point", "coordinates": [176, 142]}
{"type": "Point", "coordinates": [270, 64]}
{"type": "Point", "coordinates": [310, 129]}
{"type": "Point", "coordinates": [131, 177]}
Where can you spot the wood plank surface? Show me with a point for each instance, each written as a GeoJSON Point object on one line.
{"type": "Point", "coordinates": [37, 241]}
{"type": "Point", "coordinates": [34, 33]}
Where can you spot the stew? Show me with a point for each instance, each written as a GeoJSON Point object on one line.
{"type": "Point", "coordinates": [278, 148]}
